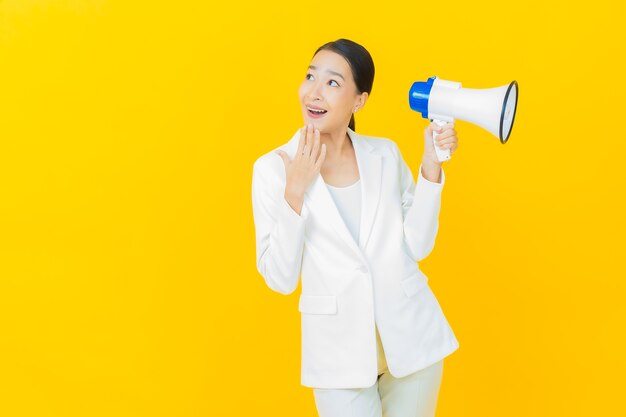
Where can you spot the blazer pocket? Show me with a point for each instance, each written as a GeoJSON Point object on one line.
{"type": "Point", "coordinates": [318, 304]}
{"type": "Point", "coordinates": [414, 283]}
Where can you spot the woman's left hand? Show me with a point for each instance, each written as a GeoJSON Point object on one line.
{"type": "Point", "coordinates": [446, 139]}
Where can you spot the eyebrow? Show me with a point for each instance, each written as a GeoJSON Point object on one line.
{"type": "Point", "coordinates": [313, 67]}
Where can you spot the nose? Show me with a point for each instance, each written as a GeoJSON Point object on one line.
{"type": "Point", "coordinates": [315, 92]}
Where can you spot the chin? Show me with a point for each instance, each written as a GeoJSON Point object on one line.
{"type": "Point", "coordinates": [323, 126]}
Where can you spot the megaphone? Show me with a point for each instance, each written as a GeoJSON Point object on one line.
{"type": "Point", "coordinates": [443, 101]}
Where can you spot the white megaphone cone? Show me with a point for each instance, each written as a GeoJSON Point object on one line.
{"type": "Point", "coordinates": [443, 101]}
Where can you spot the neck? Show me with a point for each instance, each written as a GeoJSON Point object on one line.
{"type": "Point", "coordinates": [337, 143]}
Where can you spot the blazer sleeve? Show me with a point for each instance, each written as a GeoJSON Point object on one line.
{"type": "Point", "coordinates": [279, 230]}
{"type": "Point", "coordinates": [421, 204]}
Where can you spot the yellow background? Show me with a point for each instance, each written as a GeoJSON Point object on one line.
{"type": "Point", "coordinates": [128, 131]}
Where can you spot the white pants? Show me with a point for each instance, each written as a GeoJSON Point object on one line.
{"type": "Point", "coordinates": [414, 395]}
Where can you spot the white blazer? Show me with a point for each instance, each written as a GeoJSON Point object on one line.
{"type": "Point", "coordinates": [349, 287]}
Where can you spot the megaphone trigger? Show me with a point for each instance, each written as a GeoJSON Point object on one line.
{"type": "Point", "coordinates": [442, 154]}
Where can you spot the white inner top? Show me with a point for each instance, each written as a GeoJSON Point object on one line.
{"type": "Point", "coordinates": [348, 202]}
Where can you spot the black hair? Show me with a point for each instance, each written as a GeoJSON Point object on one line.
{"type": "Point", "coordinates": [360, 62]}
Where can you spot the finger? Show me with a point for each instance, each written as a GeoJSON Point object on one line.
{"type": "Point", "coordinates": [446, 145]}
{"type": "Point", "coordinates": [433, 127]}
{"type": "Point", "coordinates": [306, 150]}
{"type": "Point", "coordinates": [303, 150]}
{"type": "Point", "coordinates": [320, 159]}
{"type": "Point", "coordinates": [284, 157]}
{"type": "Point", "coordinates": [448, 126]}
{"type": "Point", "coordinates": [300, 144]}
{"type": "Point", "coordinates": [309, 140]}
{"type": "Point", "coordinates": [447, 134]}
{"type": "Point", "coordinates": [306, 146]}
{"type": "Point", "coordinates": [446, 140]}
{"type": "Point", "coordinates": [316, 143]}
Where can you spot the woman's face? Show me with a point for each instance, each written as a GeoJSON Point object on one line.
{"type": "Point", "coordinates": [328, 94]}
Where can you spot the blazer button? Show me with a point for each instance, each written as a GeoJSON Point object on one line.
{"type": "Point", "coordinates": [363, 269]}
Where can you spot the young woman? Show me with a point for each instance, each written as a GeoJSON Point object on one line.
{"type": "Point", "coordinates": [342, 211]}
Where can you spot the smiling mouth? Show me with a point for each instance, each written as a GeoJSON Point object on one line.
{"type": "Point", "coordinates": [316, 112]}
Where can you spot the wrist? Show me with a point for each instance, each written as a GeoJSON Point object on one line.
{"type": "Point", "coordinates": [293, 194]}
{"type": "Point", "coordinates": [295, 200]}
{"type": "Point", "coordinates": [431, 170]}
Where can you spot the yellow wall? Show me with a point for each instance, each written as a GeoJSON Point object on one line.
{"type": "Point", "coordinates": [128, 130]}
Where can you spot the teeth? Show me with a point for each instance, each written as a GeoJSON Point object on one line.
{"type": "Point", "coordinates": [317, 111]}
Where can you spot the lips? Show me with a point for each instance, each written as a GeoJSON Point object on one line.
{"type": "Point", "coordinates": [316, 112]}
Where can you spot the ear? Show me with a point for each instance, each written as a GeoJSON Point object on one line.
{"type": "Point", "coordinates": [360, 101]}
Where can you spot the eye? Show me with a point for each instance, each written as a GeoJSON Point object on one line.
{"type": "Point", "coordinates": [307, 76]}
{"type": "Point", "coordinates": [333, 81]}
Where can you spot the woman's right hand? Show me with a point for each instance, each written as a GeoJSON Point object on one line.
{"type": "Point", "coordinates": [306, 164]}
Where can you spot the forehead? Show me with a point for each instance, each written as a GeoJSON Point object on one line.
{"type": "Point", "coordinates": [327, 60]}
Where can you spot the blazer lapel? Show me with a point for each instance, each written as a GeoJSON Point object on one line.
{"type": "Point", "coordinates": [370, 172]}
{"type": "Point", "coordinates": [320, 201]}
